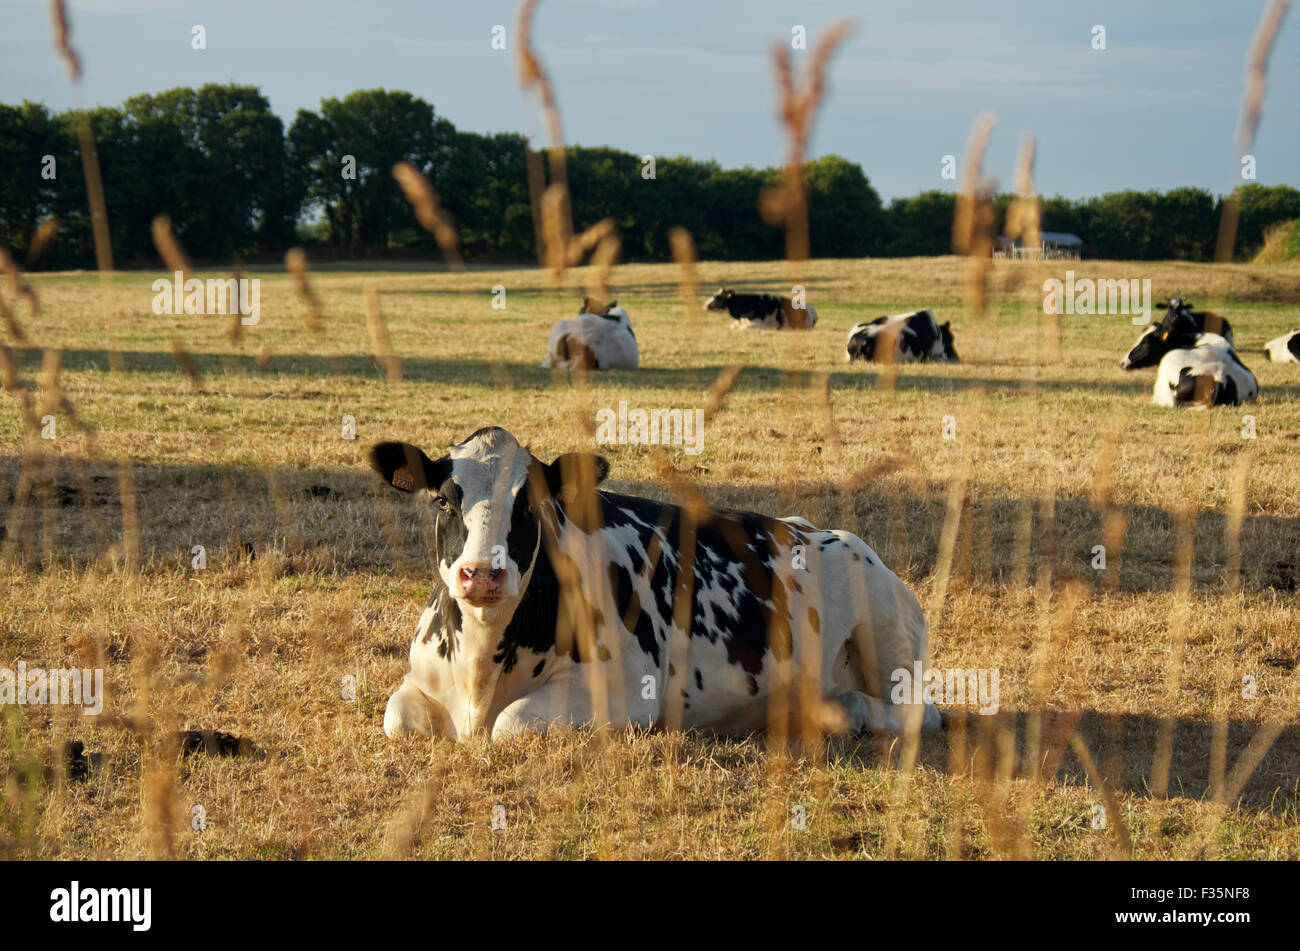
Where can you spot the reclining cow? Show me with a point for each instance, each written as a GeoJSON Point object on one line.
{"type": "Point", "coordinates": [1284, 349]}
{"type": "Point", "coordinates": [1209, 373]}
{"type": "Point", "coordinates": [599, 338]}
{"type": "Point", "coordinates": [901, 338]}
{"type": "Point", "coordinates": [1178, 330]}
{"type": "Point", "coordinates": [761, 311]}
{"type": "Point", "coordinates": [555, 602]}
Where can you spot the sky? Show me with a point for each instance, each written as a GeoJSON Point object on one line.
{"type": "Point", "coordinates": [1156, 109]}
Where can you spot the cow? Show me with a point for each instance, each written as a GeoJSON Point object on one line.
{"type": "Point", "coordinates": [1178, 330]}
{"type": "Point", "coordinates": [1209, 373]}
{"type": "Point", "coordinates": [761, 311]}
{"type": "Point", "coordinates": [599, 338]}
{"type": "Point", "coordinates": [557, 603]}
{"type": "Point", "coordinates": [1284, 349]}
{"type": "Point", "coordinates": [901, 338]}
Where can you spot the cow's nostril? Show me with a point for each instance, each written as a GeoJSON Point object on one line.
{"type": "Point", "coordinates": [496, 573]}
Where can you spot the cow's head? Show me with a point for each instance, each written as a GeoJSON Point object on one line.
{"type": "Point", "coordinates": [720, 300]}
{"type": "Point", "coordinates": [1177, 331]}
{"type": "Point", "coordinates": [494, 500]}
{"type": "Point", "coordinates": [949, 351]}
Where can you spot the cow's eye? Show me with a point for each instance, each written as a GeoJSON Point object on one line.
{"type": "Point", "coordinates": [443, 504]}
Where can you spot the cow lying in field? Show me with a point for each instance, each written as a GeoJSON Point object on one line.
{"type": "Point", "coordinates": [1178, 330]}
{"type": "Point", "coordinates": [599, 338]}
{"type": "Point", "coordinates": [761, 311]}
{"type": "Point", "coordinates": [1208, 373]}
{"type": "Point", "coordinates": [558, 603]}
{"type": "Point", "coordinates": [1284, 349]}
{"type": "Point", "coordinates": [901, 338]}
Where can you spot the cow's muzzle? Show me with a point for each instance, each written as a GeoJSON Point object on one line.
{"type": "Point", "coordinates": [481, 584]}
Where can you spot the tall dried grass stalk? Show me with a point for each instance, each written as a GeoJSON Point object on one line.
{"type": "Point", "coordinates": [974, 216]}
{"type": "Point", "coordinates": [1123, 848]}
{"type": "Point", "coordinates": [187, 363]}
{"type": "Point", "coordinates": [295, 259]}
{"type": "Point", "coordinates": [42, 238]}
{"type": "Point", "coordinates": [63, 42]}
{"type": "Point", "coordinates": [1252, 111]}
{"type": "Point", "coordinates": [1024, 214]}
{"type": "Point", "coordinates": [379, 338]}
{"type": "Point", "coordinates": [169, 246]}
{"type": "Point", "coordinates": [424, 201]}
{"type": "Point", "coordinates": [797, 111]}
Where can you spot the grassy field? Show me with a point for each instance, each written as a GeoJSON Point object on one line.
{"type": "Point", "coordinates": [1056, 450]}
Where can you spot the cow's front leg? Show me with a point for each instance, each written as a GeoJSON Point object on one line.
{"type": "Point", "coordinates": [410, 710]}
{"type": "Point", "coordinates": [557, 703]}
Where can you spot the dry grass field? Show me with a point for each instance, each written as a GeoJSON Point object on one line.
{"type": "Point", "coordinates": [1147, 663]}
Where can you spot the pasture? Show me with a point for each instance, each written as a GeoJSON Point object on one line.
{"type": "Point", "coordinates": [316, 574]}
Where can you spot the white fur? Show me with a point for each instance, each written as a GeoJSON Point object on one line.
{"type": "Point", "coordinates": [895, 325]}
{"type": "Point", "coordinates": [1212, 355]}
{"type": "Point", "coordinates": [1277, 348]}
{"type": "Point", "coordinates": [612, 341]}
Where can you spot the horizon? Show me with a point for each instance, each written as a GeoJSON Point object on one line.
{"type": "Point", "coordinates": [921, 83]}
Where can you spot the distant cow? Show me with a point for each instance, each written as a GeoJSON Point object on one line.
{"type": "Point", "coordinates": [555, 602]}
{"type": "Point", "coordinates": [762, 311]}
{"type": "Point", "coordinates": [1284, 349]}
{"type": "Point", "coordinates": [1209, 373]}
{"type": "Point", "coordinates": [599, 338]}
{"type": "Point", "coordinates": [1179, 329]}
{"type": "Point", "coordinates": [901, 338]}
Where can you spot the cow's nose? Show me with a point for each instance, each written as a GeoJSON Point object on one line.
{"type": "Point", "coordinates": [480, 581]}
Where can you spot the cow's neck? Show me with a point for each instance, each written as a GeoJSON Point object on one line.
{"type": "Point", "coordinates": [485, 640]}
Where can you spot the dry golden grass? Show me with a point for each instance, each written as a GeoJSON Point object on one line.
{"type": "Point", "coordinates": [1113, 684]}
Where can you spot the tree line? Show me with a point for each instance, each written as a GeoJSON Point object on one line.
{"type": "Point", "coordinates": [239, 186]}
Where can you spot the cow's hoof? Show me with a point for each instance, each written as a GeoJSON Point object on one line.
{"type": "Point", "coordinates": [858, 709]}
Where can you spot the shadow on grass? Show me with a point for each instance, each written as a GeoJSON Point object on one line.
{"type": "Point", "coordinates": [530, 375]}
{"type": "Point", "coordinates": [346, 521]}
{"type": "Point", "coordinates": [1123, 749]}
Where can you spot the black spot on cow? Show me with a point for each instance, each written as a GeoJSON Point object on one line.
{"type": "Point", "coordinates": [537, 671]}
{"type": "Point", "coordinates": [753, 685]}
{"type": "Point", "coordinates": [699, 680]}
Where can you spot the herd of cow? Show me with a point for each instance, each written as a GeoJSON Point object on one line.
{"type": "Point", "coordinates": [1197, 363]}
{"type": "Point", "coordinates": [556, 602]}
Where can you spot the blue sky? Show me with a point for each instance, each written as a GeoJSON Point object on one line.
{"type": "Point", "coordinates": [1157, 109]}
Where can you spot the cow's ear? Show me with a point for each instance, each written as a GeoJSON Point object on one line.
{"type": "Point", "coordinates": [575, 473]}
{"type": "Point", "coordinates": [406, 467]}
{"type": "Point", "coordinates": [946, 325]}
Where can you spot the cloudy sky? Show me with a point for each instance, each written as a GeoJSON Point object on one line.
{"type": "Point", "coordinates": [1156, 109]}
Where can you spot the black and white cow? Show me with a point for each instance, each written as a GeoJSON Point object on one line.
{"type": "Point", "coordinates": [1209, 373]}
{"type": "Point", "coordinates": [762, 311]}
{"type": "Point", "coordinates": [901, 338]}
{"type": "Point", "coordinates": [599, 338]}
{"type": "Point", "coordinates": [558, 603]}
{"type": "Point", "coordinates": [1284, 349]}
{"type": "Point", "coordinates": [1178, 330]}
